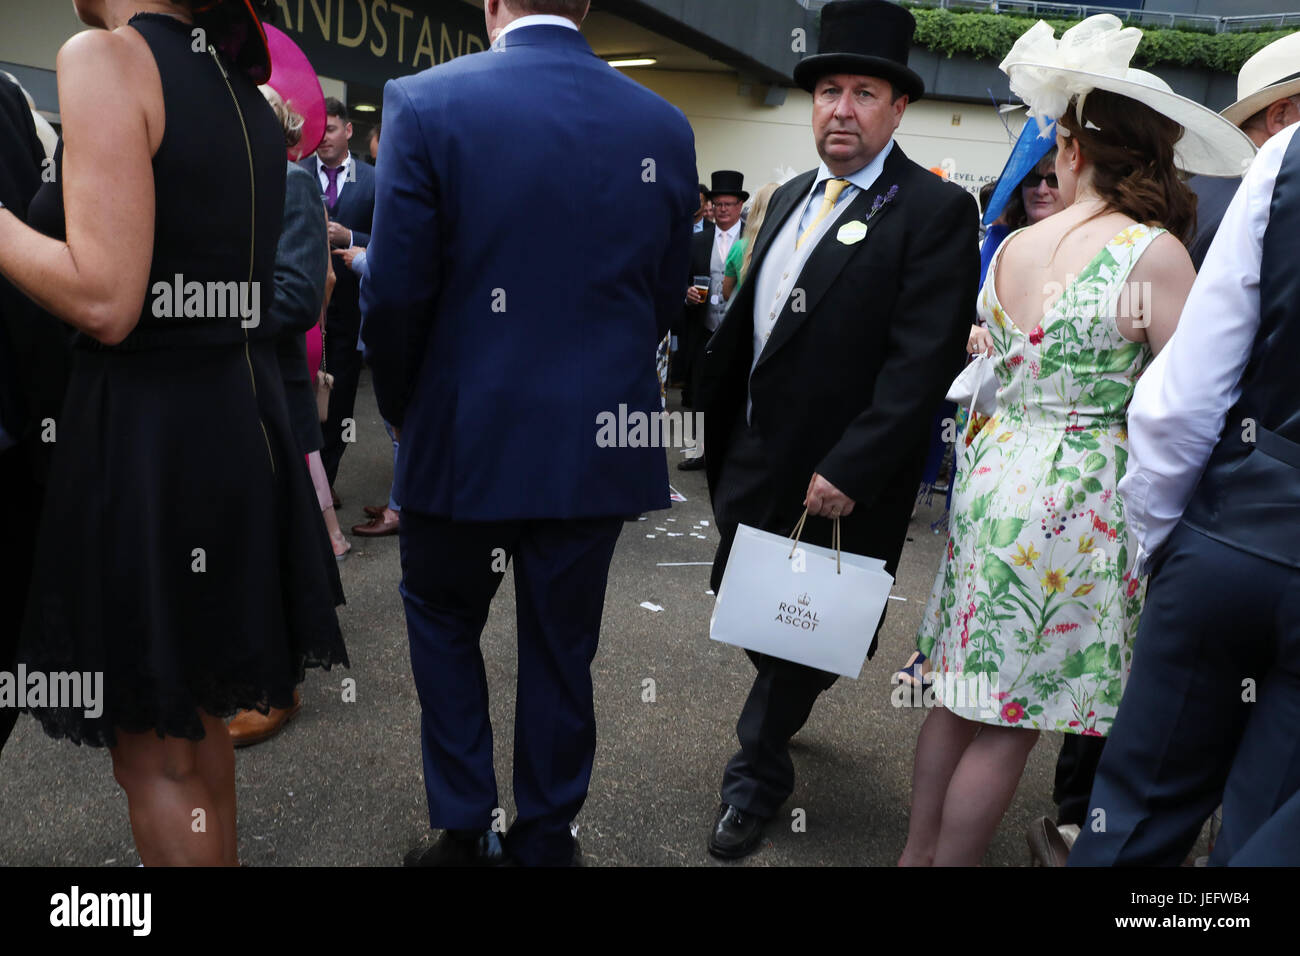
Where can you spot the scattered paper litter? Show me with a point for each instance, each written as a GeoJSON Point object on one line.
{"type": "Point", "coordinates": [674, 534]}
{"type": "Point", "coordinates": [649, 536]}
{"type": "Point", "coordinates": [709, 591]}
{"type": "Point", "coordinates": [643, 518]}
{"type": "Point", "coordinates": [670, 519]}
{"type": "Point", "coordinates": [892, 598]}
{"type": "Point", "coordinates": [704, 524]}
{"type": "Point", "coordinates": [661, 529]}
{"type": "Point", "coordinates": [651, 607]}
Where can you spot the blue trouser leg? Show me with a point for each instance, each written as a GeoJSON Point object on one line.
{"type": "Point", "coordinates": [1206, 627]}
{"type": "Point", "coordinates": [1265, 775]}
{"type": "Point", "coordinates": [392, 502]}
{"type": "Point", "coordinates": [561, 569]}
{"type": "Point", "coordinates": [448, 583]}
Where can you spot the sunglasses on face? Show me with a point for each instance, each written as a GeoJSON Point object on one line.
{"type": "Point", "coordinates": [1033, 179]}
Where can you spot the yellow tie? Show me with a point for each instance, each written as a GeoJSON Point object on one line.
{"type": "Point", "coordinates": [833, 189]}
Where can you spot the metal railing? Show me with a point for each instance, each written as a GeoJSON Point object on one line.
{"type": "Point", "coordinates": [1078, 11]}
{"type": "Point", "coordinates": [1278, 21]}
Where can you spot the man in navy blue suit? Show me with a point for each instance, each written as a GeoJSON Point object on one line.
{"type": "Point", "coordinates": [532, 226]}
{"type": "Point", "coordinates": [348, 188]}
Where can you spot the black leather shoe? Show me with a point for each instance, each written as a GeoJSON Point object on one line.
{"type": "Point", "coordinates": [459, 848]}
{"type": "Point", "coordinates": [575, 860]}
{"type": "Point", "coordinates": [736, 833]}
{"type": "Point", "coordinates": [691, 464]}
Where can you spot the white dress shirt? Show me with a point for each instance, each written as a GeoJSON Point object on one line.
{"type": "Point", "coordinates": [535, 20]}
{"type": "Point", "coordinates": [725, 240]}
{"type": "Point", "coordinates": [344, 177]}
{"type": "Point", "coordinates": [1179, 407]}
{"type": "Point", "coordinates": [346, 167]}
{"type": "Point", "coordinates": [783, 265]}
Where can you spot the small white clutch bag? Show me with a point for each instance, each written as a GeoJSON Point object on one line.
{"type": "Point", "coordinates": [976, 387]}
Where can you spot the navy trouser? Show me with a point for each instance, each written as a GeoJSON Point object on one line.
{"type": "Point", "coordinates": [1076, 768]}
{"type": "Point", "coordinates": [1219, 625]}
{"type": "Point", "coordinates": [450, 573]}
{"type": "Point", "coordinates": [343, 361]}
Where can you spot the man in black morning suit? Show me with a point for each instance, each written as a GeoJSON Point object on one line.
{"type": "Point", "coordinates": [709, 248]}
{"type": "Point", "coordinates": [348, 187]}
{"type": "Point", "coordinates": [857, 306]}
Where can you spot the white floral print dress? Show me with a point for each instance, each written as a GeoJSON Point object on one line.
{"type": "Point", "coordinates": [1034, 590]}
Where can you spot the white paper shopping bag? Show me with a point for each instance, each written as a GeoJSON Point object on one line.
{"type": "Point", "coordinates": [818, 607]}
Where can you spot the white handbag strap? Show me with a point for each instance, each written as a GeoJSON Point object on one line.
{"type": "Point", "coordinates": [975, 392]}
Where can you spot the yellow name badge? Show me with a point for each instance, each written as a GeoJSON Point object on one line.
{"type": "Point", "coordinates": [852, 232]}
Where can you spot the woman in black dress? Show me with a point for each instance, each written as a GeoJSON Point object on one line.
{"type": "Point", "coordinates": [175, 555]}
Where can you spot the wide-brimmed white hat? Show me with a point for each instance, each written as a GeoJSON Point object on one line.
{"type": "Point", "coordinates": [1268, 76]}
{"type": "Point", "coordinates": [1094, 55]}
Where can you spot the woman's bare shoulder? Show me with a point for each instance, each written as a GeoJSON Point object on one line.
{"type": "Point", "coordinates": [99, 47]}
{"type": "Point", "coordinates": [108, 61]}
{"type": "Point", "coordinates": [1015, 247]}
{"type": "Point", "coordinates": [1166, 257]}
{"type": "Point", "coordinates": [107, 76]}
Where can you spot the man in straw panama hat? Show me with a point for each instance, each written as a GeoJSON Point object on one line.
{"type": "Point", "coordinates": [1268, 101]}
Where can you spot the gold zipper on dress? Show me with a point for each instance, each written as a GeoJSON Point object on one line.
{"type": "Point", "coordinates": [252, 192]}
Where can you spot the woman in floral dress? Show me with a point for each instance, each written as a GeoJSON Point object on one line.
{"type": "Point", "coordinates": [1034, 609]}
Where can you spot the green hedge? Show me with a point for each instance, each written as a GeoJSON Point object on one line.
{"type": "Point", "coordinates": [991, 36]}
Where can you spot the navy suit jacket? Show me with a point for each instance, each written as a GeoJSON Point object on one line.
{"type": "Point", "coordinates": [355, 210]}
{"type": "Point", "coordinates": [532, 226]}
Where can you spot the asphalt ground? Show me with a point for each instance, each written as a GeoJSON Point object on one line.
{"type": "Point", "coordinates": [342, 785]}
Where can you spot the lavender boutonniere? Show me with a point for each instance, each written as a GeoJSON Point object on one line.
{"type": "Point", "coordinates": [883, 201]}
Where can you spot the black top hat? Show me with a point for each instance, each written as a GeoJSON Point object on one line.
{"type": "Point", "coordinates": [863, 37]}
{"type": "Point", "coordinates": [728, 182]}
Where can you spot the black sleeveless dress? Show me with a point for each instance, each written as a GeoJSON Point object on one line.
{"type": "Point", "coordinates": [182, 552]}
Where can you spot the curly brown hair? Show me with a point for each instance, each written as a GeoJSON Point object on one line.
{"type": "Point", "coordinates": [1131, 150]}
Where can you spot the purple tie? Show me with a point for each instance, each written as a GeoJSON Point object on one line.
{"type": "Point", "coordinates": [332, 193]}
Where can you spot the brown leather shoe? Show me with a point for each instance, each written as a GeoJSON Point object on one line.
{"type": "Point", "coordinates": [375, 511]}
{"type": "Point", "coordinates": [1047, 846]}
{"type": "Point", "coordinates": [249, 727]}
{"type": "Point", "coordinates": [380, 527]}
